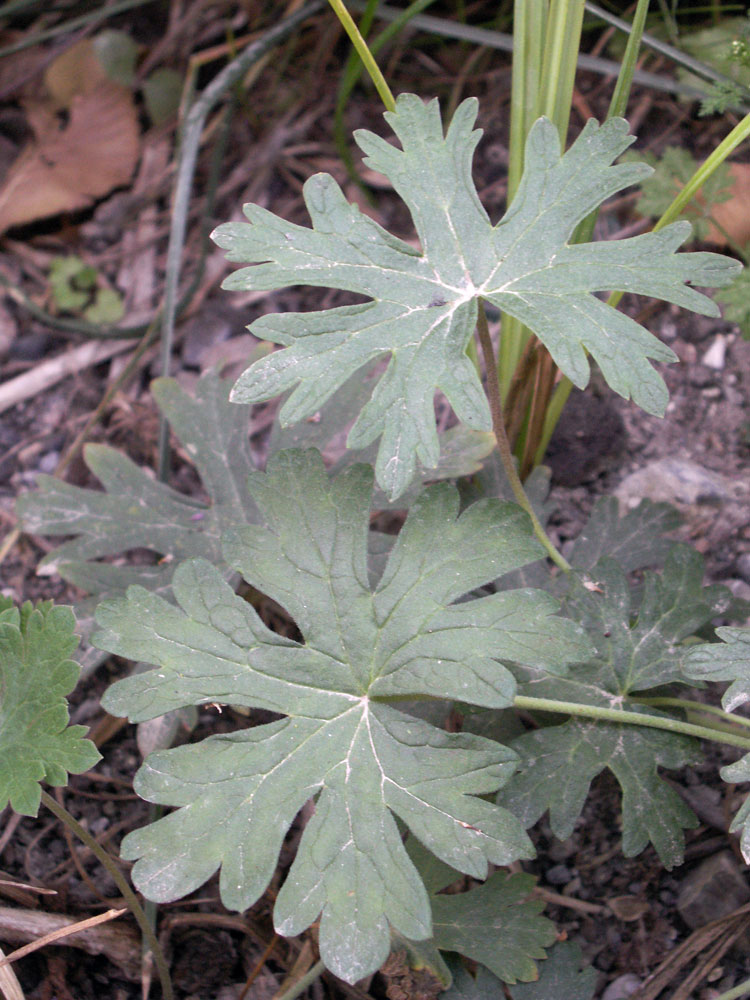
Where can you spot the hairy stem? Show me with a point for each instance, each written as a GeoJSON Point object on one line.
{"type": "Point", "coordinates": [631, 718]}
{"type": "Point", "coordinates": [503, 445]}
{"type": "Point", "coordinates": [130, 897]}
{"type": "Point", "coordinates": [698, 708]}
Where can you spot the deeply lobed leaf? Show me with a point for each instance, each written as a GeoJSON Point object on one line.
{"type": "Point", "coordinates": [340, 740]}
{"type": "Point", "coordinates": [36, 673]}
{"type": "Point", "coordinates": [423, 303]}
{"type": "Point", "coordinates": [728, 660]}
{"type": "Point", "coordinates": [633, 656]}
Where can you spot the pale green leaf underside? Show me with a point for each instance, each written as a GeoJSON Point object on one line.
{"type": "Point", "coordinates": [423, 303]}
{"type": "Point", "coordinates": [36, 673]}
{"type": "Point", "coordinates": [339, 740]}
{"type": "Point", "coordinates": [724, 661]}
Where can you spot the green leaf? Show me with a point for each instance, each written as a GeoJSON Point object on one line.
{"type": "Point", "coordinates": [137, 512]}
{"type": "Point", "coordinates": [735, 302]}
{"type": "Point", "coordinates": [462, 450]}
{"type": "Point", "coordinates": [636, 540]}
{"type": "Point", "coordinates": [162, 93]}
{"type": "Point", "coordinates": [735, 774]}
{"type": "Point", "coordinates": [36, 673]}
{"type": "Point", "coordinates": [559, 978]}
{"type": "Point", "coordinates": [118, 54]}
{"type": "Point", "coordinates": [495, 924]}
{"type": "Point", "coordinates": [466, 987]}
{"type": "Point", "coordinates": [107, 307]}
{"type": "Point", "coordinates": [560, 762]}
{"type": "Point", "coordinates": [725, 661]}
{"type": "Point", "coordinates": [340, 739]}
{"type": "Point", "coordinates": [633, 656]}
{"type": "Point", "coordinates": [423, 304]}
{"type": "Point", "coordinates": [672, 171]}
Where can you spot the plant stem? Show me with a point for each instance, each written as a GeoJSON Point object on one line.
{"type": "Point", "coordinates": [503, 446]}
{"type": "Point", "coordinates": [696, 708]}
{"type": "Point", "coordinates": [736, 992]}
{"type": "Point", "coordinates": [301, 985]}
{"type": "Point", "coordinates": [630, 718]}
{"type": "Point", "coordinates": [130, 897]}
{"type": "Point", "coordinates": [364, 54]}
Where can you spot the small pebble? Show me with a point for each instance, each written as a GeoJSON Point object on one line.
{"type": "Point", "coordinates": [743, 566]}
{"type": "Point", "coordinates": [715, 356]}
{"type": "Point", "coordinates": [622, 987]}
{"type": "Point", "coordinates": [48, 462]}
{"type": "Point", "coordinates": [701, 376]}
{"type": "Point", "coordinates": [559, 875]}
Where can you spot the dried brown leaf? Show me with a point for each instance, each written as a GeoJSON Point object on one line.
{"type": "Point", "coordinates": [68, 166]}
{"type": "Point", "coordinates": [733, 216]}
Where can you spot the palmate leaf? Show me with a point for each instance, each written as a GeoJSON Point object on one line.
{"type": "Point", "coordinates": [496, 923]}
{"type": "Point", "coordinates": [559, 762]}
{"type": "Point", "coordinates": [137, 512]}
{"type": "Point", "coordinates": [728, 661]}
{"type": "Point", "coordinates": [36, 673]}
{"type": "Point", "coordinates": [340, 739]}
{"type": "Point", "coordinates": [559, 977]}
{"type": "Point", "coordinates": [423, 304]}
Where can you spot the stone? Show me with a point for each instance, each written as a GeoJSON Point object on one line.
{"type": "Point", "coordinates": [673, 480]}
{"type": "Point", "coordinates": [622, 987]}
{"type": "Point", "coordinates": [716, 888]}
{"type": "Point", "coordinates": [715, 356]}
{"type": "Point", "coordinates": [743, 566]}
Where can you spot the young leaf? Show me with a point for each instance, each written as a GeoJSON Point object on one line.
{"type": "Point", "coordinates": [423, 304]}
{"type": "Point", "coordinates": [36, 673]}
{"type": "Point", "coordinates": [340, 739]}
{"type": "Point", "coordinates": [560, 762]}
{"type": "Point", "coordinates": [495, 924]}
{"type": "Point", "coordinates": [559, 978]}
{"type": "Point", "coordinates": [484, 986]}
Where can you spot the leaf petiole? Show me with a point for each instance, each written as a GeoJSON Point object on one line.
{"type": "Point", "coordinates": [130, 897]}
{"type": "Point", "coordinates": [630, 718]}
{"type": "Point", "coordinates": [503, 445]}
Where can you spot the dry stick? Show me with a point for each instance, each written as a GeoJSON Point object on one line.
{"type": "Point", "coordinates": [130, 897]}
{"type": "Point", "coordinates": [503, 446]}
{"type": "Point", "coordinates": [62, 932]}
{"type": "Point", "coordinates": [189, 146]}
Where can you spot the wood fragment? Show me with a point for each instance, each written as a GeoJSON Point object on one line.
{"type": "Point", "coordinates": [49, 373]}
{"type": "Point", "coordinates": [118, 942]}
